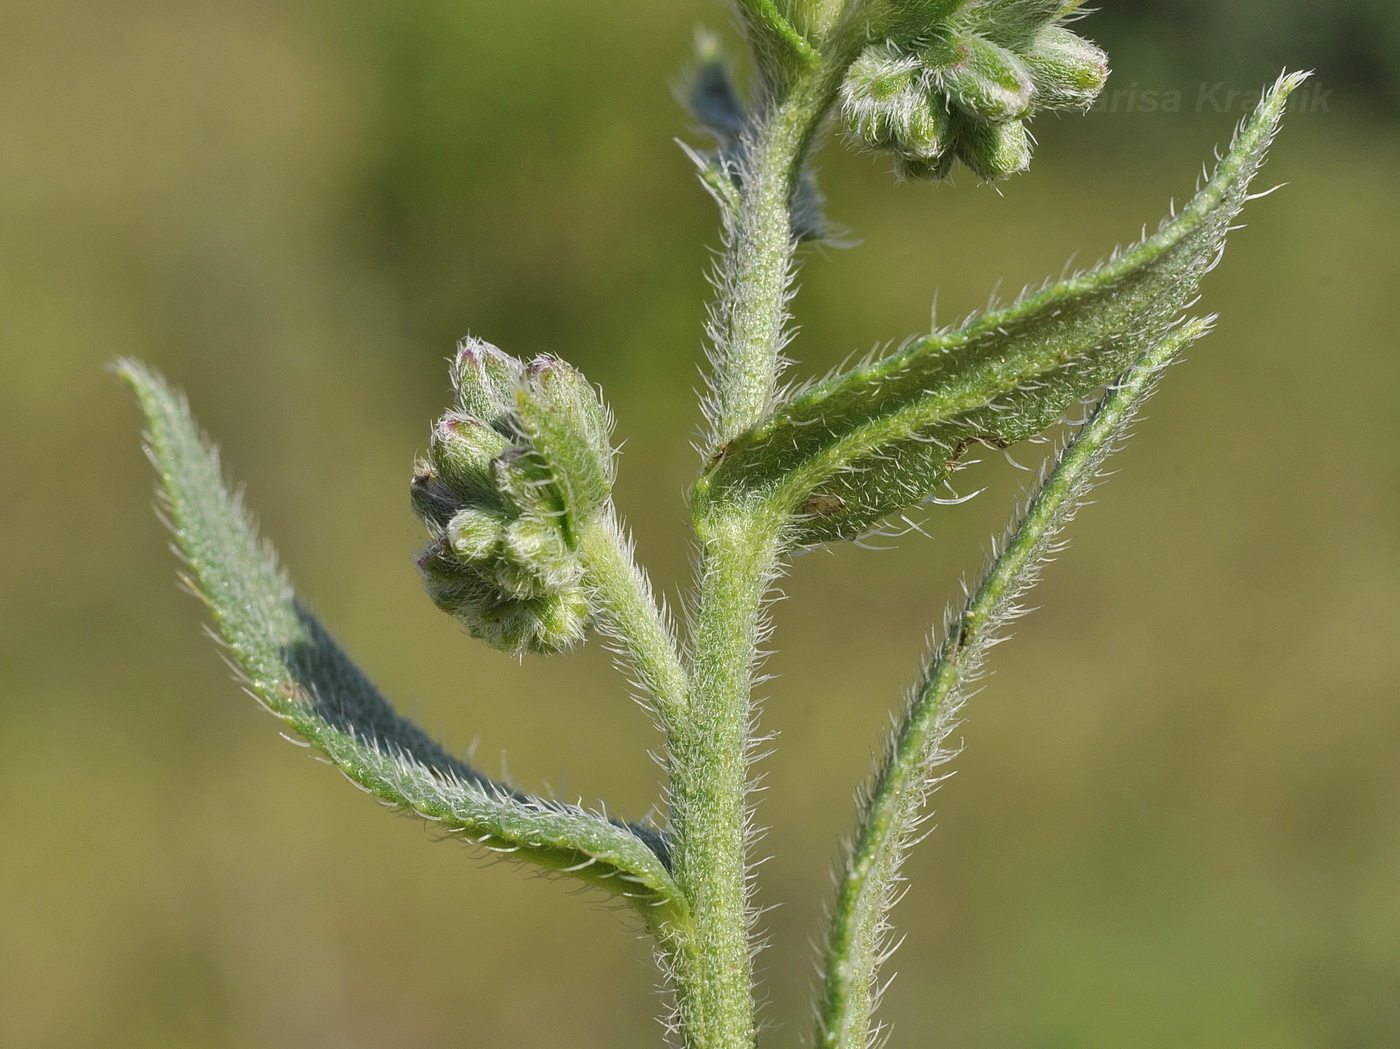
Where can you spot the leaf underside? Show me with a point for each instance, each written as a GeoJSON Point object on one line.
{"type": "Point", "coordinates": [879, 438]}
{"type": "Point", "coordinates": [293, 665]}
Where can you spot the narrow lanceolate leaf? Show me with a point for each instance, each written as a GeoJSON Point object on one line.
{"type": "Point", "coordinates": [881, 437]}
{"type": "Point", "coordinates": [298, 671]}
{"type": "Point", "coordinates": [893, 811]}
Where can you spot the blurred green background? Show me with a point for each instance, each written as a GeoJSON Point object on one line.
{"type": "Point", "coordinates": [1177, 820]}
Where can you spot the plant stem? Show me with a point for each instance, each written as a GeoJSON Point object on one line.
{"type": "Point", "coordinates": [708, 766]}
{"type": "Point", "coordinates": [709, 752]}
{"type": "Point", "coordinates": [634, 620]}
{"type": "Point", "coordinates": [755, 277]}
{"type": "Point", "coordinates": [708, 757]}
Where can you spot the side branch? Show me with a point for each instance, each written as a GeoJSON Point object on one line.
{"type": "Point", "coordinates": [633, 619]}
{"type": "Point", "coordinates": [893, 810]}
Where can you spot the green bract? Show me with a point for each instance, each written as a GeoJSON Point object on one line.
{"type": "Point", "coordinates": [514, 473]}
{"type": "Point", "coordinates": [959, 81]}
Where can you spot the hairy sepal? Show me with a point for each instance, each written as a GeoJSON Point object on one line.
{"type": "Point", "coordinates": [879, 438]}
{"type": "Point", "coordinates": [301, 675]}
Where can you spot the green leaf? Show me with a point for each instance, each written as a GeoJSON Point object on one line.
{"type": "Point", "coordinates": [893, 808]}
{"type": "Point", "coordinates": [881, 437]}
{"type": "Point", "coordinates": [301, 675]}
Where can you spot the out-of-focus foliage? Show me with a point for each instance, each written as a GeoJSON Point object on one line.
{"type": "Point", "coordinates": [295, 209]}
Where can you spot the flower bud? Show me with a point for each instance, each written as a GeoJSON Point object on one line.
{"type": "Point", "coordinates": [431, 500]}
{"type": "Point", "coordinates": [543, 625]}
{"type": "Point", "coordinates": [1068, 71]}
{"type": "Point", "coordinates": [956, 79]}
{"type": "Point", "coordinates": [569, 429]}
{"type": "Point", "coordinates": [485, 380]}
{"type": "Point", "coordinates": [887, 105]}
{"type": "Point", "coordinates": [985, 80]}
{"type": "Point", "coordinates": [461, 450]}
{"type": "Point", "coordinates": [523, 482]}
{"type": "Point", "coordinates": [448, 580]}
{"type": "Point", "coordinates": [513, 476]}
{"type": "Point", "coordinates": [475, 534]}
{"type": "Point", "coordinates": [995, 151]}
{"type": "Point", "coordinates": [540, 547]}
{"type": "Point", "coordinates": [924, 169]}
{"type": "Point", "coordinates": [882, 86]}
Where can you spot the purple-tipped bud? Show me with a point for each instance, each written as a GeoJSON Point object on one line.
{"type": "Point", "coordinates": [432, 502]}
{"type": "Point", "coordinates": [461, 450]}
{"type": "Point", "coordinates": [485, 379]}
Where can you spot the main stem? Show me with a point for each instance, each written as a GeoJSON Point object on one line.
{"type": "Point", "coordinates": [708, 758]}
{"type": "Point", "coordinates": [757, 269]}
{"type": "Point", "coordinates": [709, 816]}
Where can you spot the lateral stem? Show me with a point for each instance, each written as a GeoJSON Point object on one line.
{"type": "Point", "coordinates": [635, 620]}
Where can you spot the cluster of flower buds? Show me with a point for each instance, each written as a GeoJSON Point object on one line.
{"type": "Point", "coordinates": [959, 78]}
{"type": "Point", "coordinates": [514, 473]}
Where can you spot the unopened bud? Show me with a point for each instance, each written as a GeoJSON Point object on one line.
{"type": "Point", "coordinates": [882, 86]}
{"type": "Point", "coordinates": [924, 169]}
{"type": "Point", "coordinates": [956, 78]}
{"type": "Point", "coordinates": [431, 500]}
{"type": "Point", "coordinates": [485, 379]}
{"type": "Point", "coordinates": [449, 582]}
{"type": "Point", "coordinates": [461, 450]}
{"type": "Point", "coordinates": [543, 625]}
{"type": "Point", "coordinates": [475, 533]}
{"type": "Point", "coordinates": [523, 481]}
{"type": "Point", "coordinates": [1068, 71]}
{"type": "Point", "coordinates": [995, 151]}
{"type": "Point", "coordinates": [569, 430]}
{"type": "Point", "coordinates": [513, 476]}
{"type": "Point", "coordinates": [985, 80]}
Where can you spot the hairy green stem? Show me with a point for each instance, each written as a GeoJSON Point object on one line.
{"type": "Point", "coordinates": [709, 813]}
{"type": "Point", "coordinates": [756, 274]}
{"type": "Point", "coordinates": [709, 755]}
{"type": "Point", "coordinates": [709, 751]}
{"type": "Point", "coordinates": [634, 620]}
{"type": "Point", "coordinates": [891, 814]}
{"type": "Point", "coordinates": [741, 547]}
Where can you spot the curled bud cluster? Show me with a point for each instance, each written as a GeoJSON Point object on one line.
{"type": "Point", "coordinates": [513, 474]}
{"type": "Point", "coordinates": [961, 79]}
